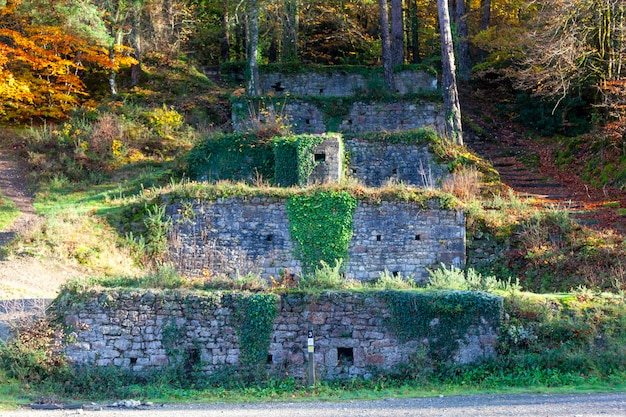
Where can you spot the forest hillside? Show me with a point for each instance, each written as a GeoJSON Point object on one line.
{"type": "Point", "coordinates": [102, 101]}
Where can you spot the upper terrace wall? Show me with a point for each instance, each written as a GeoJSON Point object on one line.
{"type": "Point", "coordinates": [342, 84]}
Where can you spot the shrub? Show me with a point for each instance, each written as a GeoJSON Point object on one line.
{"type": "Point", "coordinates": [457, 279]}
{"type": "Point", "coordinates": [389, 281]}
{"type": "Point", "coordinates": [464, 183]}
{"type": "Point", "coordinates": [34, 353]}
{"type": "Point", "coordinates": [326, 277]}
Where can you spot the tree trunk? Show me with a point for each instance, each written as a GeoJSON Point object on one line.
{"type": "Point", "coordinates": [112, 73]}
{"type": "Point", "coordinates": [414, 31]}
{"type": "Point", "coordinates": [486, 14]}
{"type": "Point", "coordinates": [289, 51]}
{"type": "Point", "coordinates": [253, 48]}
{"type": "Point", "coordinates": [397, 33]}
{"type": "Point", "coordinates": [451, 105]}
{"type": "Point", "coordinates": [465, 64]}
{"type": "Point", "coordinates": [225, 42]}
{"type": "Point", "coordinates": [135, 40]}
{"type": "Point", "coordinates": [386, 45]}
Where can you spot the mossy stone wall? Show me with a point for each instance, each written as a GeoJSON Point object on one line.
{"type": "Point", "coordinates": [356, 334]}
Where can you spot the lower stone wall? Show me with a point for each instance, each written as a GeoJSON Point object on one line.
{"type": "Point", "coordinates": [252, 234]}
{"type": "Point", "coordinates": [354, 335]}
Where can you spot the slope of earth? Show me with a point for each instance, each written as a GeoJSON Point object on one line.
{"type": "Point", "coordinates": [25, 277]}
{"type": "Point", "coordinates": [527, 165]}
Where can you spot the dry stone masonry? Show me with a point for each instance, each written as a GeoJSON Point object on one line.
{"type": "Point", "coordinates": [147, 330]}
{"type": "Point", "coordinates": [375, 164]}
{"type": "Point", "coordinates": [342, 84]}
{"type": "Point", "coordinates": [306, 115]}
{"type": "Point", "coordinates": [237, 234]}
{"type": "Point", "coordinates": [362, 116]}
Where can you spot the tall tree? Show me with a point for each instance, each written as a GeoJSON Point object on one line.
{"type": "Point", "coordinates": [225, 38]}
{"type": "Point", "coordinates": [386, 45]}
{"type": "Point", "coordinates": [289, 51]}
{"type": "Point", "coordinates": [573, 47]}
{"type": "Point", "coordinates": [253, 48]}
{"type": "Point", "coordinates": [41, 65]}
{"type": "Point", "coordinates": [397, 33]}
{"type": "Point", "coordinates": [451, 105]}
{"type": "Point", "coordinates": [135, 41]}
{"type": "Point", "coordinates": [414, 36]}
{"type": "Point", "coordinates": [485, 7]}
{"type": "Point", "coordinates": [462, 41]}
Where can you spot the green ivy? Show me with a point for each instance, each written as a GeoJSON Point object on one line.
{"type": "Point", "coordinates": [443, 317]}
{"type": "Point", "coordinates": [240, 156]}
{"type": "Point", "coordinates": [321, 226]}
{"type": "Point", "coordinates": [294, 159]}
{"type": "Point", "coordinates": [254, 315]}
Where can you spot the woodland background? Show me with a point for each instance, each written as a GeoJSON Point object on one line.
{"type": "Point", "coordinates": [566, 55]}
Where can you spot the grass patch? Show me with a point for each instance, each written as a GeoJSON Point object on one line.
{"type": "Point", "coordinates": [8, 212]}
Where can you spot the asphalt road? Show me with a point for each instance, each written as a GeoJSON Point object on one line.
{"type": "Point", "coordinates": [519, 405]}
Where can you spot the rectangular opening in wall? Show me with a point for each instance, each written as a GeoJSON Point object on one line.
{"type": "Point", "coordinates": [320, 157]}
{"type": "Point", "coordinates": [395, 273]}
{"type": "Point", "coordinates": [345, 356]}
{"type": "Point", "coordinates": [269, 238]}
{"type": "Point", "coordinates": [192, 358]}
{"type": "Point", "coordinates": [418, 237]}
{"type": "Point", "coordinates": [133, 361]}
{"type": "Point", "coordinates": [270, 359]}
{"type": "Point", "coordinates": [379, 238]}
{"type": "Point", "coordinates": [321, 91]}
{"type": "Point", "coordinates": [307, 121]}
{"type": "Point", "coordinates": [394, 171]}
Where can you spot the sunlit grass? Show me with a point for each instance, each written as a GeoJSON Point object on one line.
{"type": "Point", "coordinates": [8, 212]}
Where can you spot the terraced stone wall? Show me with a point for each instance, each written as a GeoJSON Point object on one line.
{"type": "Point", "coordinates": [147, 330]}
{"type": "Point", "coordinates": [252, 234]}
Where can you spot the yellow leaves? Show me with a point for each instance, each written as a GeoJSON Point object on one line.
{"type": "Point", "coordinates": [41, 67]}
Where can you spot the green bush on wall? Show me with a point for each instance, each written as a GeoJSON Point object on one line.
{"type": "Point", "coordinates": [294, 159]}
{"type": "Point", "coordinates": [443, 317]}
{"type": "Point", "coordinates": [239, 156]}
{"type": "Point", "coordinates": [321, 226]}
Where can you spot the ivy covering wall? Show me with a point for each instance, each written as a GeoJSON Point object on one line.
{"type": "Point", "coordinates": [443, 317]}
{"type": "Point", "coordinates": [320, 224]}
{"type": "Point", "coordinates": [239, 156]}
{"type": "Point", "coordinates": [294, 159]}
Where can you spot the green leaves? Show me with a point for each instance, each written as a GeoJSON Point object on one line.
{"type": "Point", "coordinates": [321, 226]}
{"type": "Point", "coordinates": [443, 317]}
{"type": "Point", "coordinates": [294, 159]}
{"type": "Point", "coordinates": [255, 316]}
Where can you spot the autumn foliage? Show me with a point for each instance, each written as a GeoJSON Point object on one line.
{"type": "Point", "coordinates": [42, 67]}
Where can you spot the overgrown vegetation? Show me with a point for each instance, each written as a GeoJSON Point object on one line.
{"type": "Point", "coordinates": [321, 226]}
{"type": "Point", "coordinates": [439, 313]}
{"type": "Point", "coordinates": [8, 212]}
{"type": "Point", "coordinates": [101, 173]}
{"type": "Point", "coordinates": [255, 318]}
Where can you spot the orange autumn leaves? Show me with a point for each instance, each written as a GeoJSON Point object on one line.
{"type": "Point", "coordinates": [42, 67]}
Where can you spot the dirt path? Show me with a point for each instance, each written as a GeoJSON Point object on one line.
{"type": "Point", "coordinates": [13, 186]}
{"type": "Point", "coordinates": [25, 277]}
{"type": "Point", "coordinates": [528, 167]}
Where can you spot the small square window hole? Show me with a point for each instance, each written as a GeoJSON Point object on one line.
{"type": "Point", "coordinates": [345, 356]}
